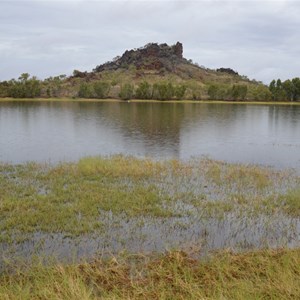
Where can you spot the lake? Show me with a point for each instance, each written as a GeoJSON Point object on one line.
{"type": "Point", "coordinates": [67, 131]}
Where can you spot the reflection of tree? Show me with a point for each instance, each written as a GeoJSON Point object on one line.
{"type": "Point", "coordinates": [283, 114]}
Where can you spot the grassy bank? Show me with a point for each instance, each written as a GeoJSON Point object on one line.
{"type": "Point", "coordinates": [175, 275]}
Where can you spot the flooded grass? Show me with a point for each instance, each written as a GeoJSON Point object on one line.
{"type": "Point", "coordinates": [264, 274]}
{"type": "Point", "coordinates": [123, 203]}
{"type": "Point", "coordinates": [69, 197]}
{"type": "Point", "coordinates": [55, 219]}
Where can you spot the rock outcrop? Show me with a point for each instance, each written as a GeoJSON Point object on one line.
{"type": "Point", "coordinates": [228, 71]}
{"type": "Point", "coordinates": [150, 57]}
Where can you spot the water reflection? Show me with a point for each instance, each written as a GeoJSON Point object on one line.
{"type": "Point", "coordinates": [55, 131]}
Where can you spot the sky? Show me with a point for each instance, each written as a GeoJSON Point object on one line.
{"type": "Point", "coordinates": [257, 38]}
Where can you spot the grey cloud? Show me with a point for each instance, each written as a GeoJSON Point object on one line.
{"type": "Point", "coordinates": [257, 38]}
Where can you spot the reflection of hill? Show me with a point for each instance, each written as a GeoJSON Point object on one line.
{"type": "Point", "coordinates": [159, 126]}
{"type": "Point", "coordinates": [156, 125]}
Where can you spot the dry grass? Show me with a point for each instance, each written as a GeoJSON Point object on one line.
{"type": "Point", "coordinates": [175, 275]}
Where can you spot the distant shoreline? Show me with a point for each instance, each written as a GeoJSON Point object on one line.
{"type": "Point", "coordinates": [148, 101]}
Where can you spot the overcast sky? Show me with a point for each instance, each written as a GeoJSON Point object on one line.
{"type": "Point", "coordinates": [260, 39]}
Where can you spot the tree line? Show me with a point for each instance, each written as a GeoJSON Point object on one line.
{"type": "Point", "coordinates": [287, 90]}
{"type": "Point", "coordinates": [31, 87]}
{"type": "Point", "coordinates": [144, 90]}
{"type": "Point", "coordinates": [61, 86]}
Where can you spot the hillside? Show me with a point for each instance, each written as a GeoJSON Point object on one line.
{"type": "Point", "coordinates": [159, 61]}
{"type": "Point", "coordinates": [155, 71]}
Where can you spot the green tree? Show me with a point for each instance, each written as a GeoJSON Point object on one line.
{"type": "Point", "coordinates": [32, 88]}
{"type": "Point", "coordinates": [213, 92]}
{"type": "Point", "coordinates": [217, 92]}
{"type": "Point", "coordinates": [277, 90]}
{"type": "Point", "coordinates": [4, 89]}
{"type": "Point", "coordinates": [296, 84]}
{"type": "Point", "coordinates": [260, 93]}
{"type": "Point", "coordinates": [25, 87]}
{"type": "Point", "coordinates": [85, 90]}
{"type": "Point", "coordinates": [101, 89]}
{"type": "Point", "coordinates": [179, 91]}
{"type": "Point", "coordinates": [238, 92]}
{"type": "Point", "coordinates": [163, 91]}
{"type": "Point", "coordinates": [126, 92]}
{"type": "Point", "coordinates": [24, 77]}
{"type": "Point", "coordinates": [289, 89]}
{"type": "Point", "coordinates": [143, 91]}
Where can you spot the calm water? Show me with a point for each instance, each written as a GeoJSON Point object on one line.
{"type": "Point", "coordinates": [52, 131]}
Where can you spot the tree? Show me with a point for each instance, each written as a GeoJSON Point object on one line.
{"type": "Point", "coordinates": [24, 77]}
{"type": "Point", "coordinates": [213, 92]}
{"type": "Point", "coordinates": [4, 89]}
{"type": "Point", "coordinates": [85, 90]}
{"type": "Point", "coordinates": [261, 93]}
{"type": "Point", "coordinates": [126, 92]}
{"type": "Point", "coordinates": [163, 91]}
{"type": "Point", "coordinates": [277, 90]}
{"type": "Point", "coordinates": [179, 91]}
{"type": "Point", "coordinates": [143, 91]}
{"type": "Point", "coordinates": [289, 89]}
{"type": "Point", "coordinates": [101, 89]}
{"type": "Point", "coordinates": [272, 88]}
{"type": "Point", "coordinates": [238, 92]}
{"type": "Point", "coordinates": [296, 84]}
{"type": "Point", "coordinates": [25, 87]}
{"type": "Point", "coordinates": [217, 92]}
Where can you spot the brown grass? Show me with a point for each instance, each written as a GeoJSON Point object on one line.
{"type": "Point", "coordinates": [175, 275]}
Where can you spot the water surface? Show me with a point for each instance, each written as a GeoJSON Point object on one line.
{"type": "Point", "coordinates": [66, 131]}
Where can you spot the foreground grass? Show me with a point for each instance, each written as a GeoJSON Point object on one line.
{"type": "Point", "coordinates": [175, 275]}
{"type": "Point", "coordinates": [70, 197]}
{"type": "Point", "coordinates": [97, 195]}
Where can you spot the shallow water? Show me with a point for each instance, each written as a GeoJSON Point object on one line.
{"type": "Point", "coordinates": [144, 235]}
{"type": "Point", "coordinates": [56, 131]}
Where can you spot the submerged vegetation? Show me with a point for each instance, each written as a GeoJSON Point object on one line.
{"type": "Point", "coordinates": [69, 198]}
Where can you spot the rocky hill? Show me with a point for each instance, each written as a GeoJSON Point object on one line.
{"type": "Point", "coordinates": [150, 57]}
{"type": "Point", "coordinates": [161, 62]}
